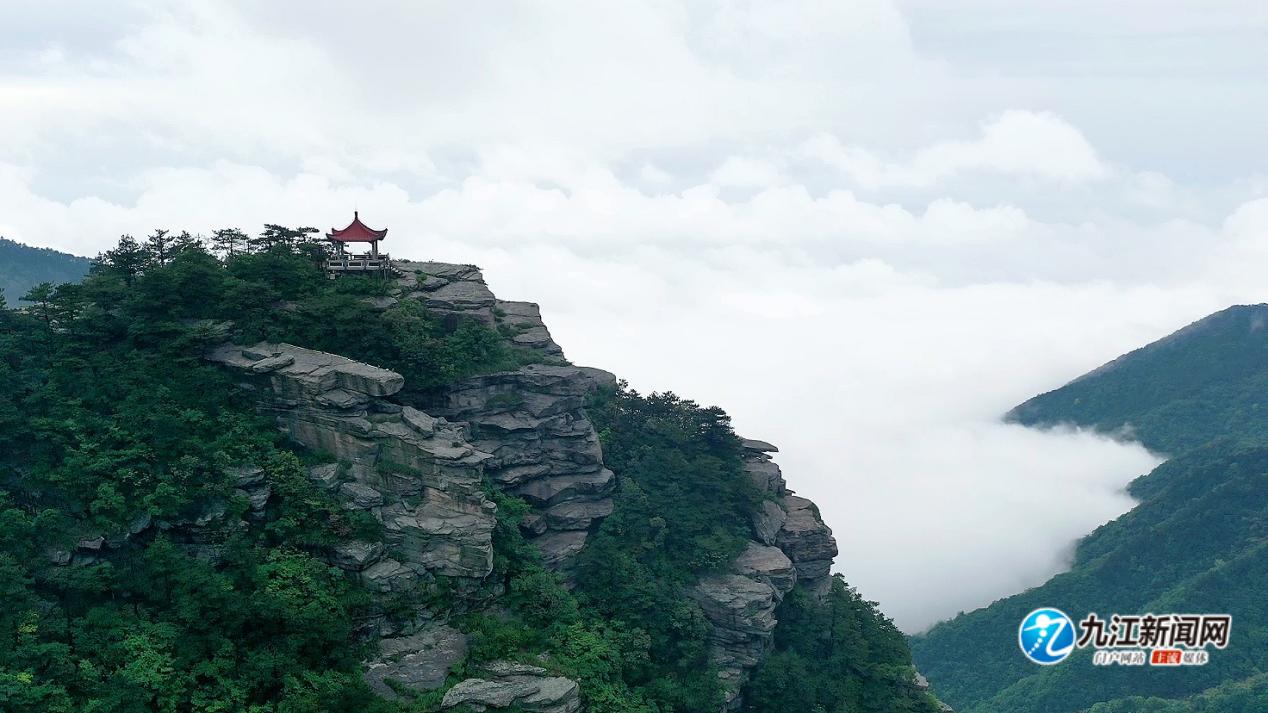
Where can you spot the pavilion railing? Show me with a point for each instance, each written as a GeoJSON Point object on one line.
{"type": "Point", "coordinates": [358, 263]}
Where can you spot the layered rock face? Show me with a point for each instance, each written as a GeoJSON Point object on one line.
{"type": "Point", "coordinates": [790, 522]}
{"type": "Point", "coordinates": [420, 661]}
{"type": "Point", "coordinates": [460, 290]}
{"type": "Point", "coordinates": [741, 607]}
{"type": "Point", "coordinates": [795, 547]}
{"type": "Point", "coordinates": [531, 421]}
{"type": "Point", "coordinates": [544, 449]}
{"type": "Point", "coordinates": [504, 684]}
{"type": "Point", "coordinates": [418, 468]}
{"type": "Point", "coordinates": [416, 474]}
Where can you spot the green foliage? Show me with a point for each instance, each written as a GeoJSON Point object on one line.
{"type": "Point", "coordinates": [629, 632]}
{"type": "Point", "coordinates": [112, 425]}
{"type": "Point", "coordinates": [1245, 696]}
{"type": "Point", "coordinates": [23, 267]}
{"type": "Point", "coordinates": [837, 655]}
{"type": "Point", "coordinates": [1195, 543]}
{"type": "Point", "coordinates": [682, 509]}
{"type": "Point", "coordinates": [1206, 381]}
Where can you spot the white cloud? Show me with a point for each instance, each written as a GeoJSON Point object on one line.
{"type": "Point", "coordinates": [1017, 143]}
{"type": "Point", "coordinates": [742, 172]}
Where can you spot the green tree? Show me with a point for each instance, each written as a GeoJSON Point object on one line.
{"type": "Point", "coordinates": [41, 296]}
{"type": "Point", "coordinates": [228, 242]}
{"type": "Point", "coordinates": [128, 259]}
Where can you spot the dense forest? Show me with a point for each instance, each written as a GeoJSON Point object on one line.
{"type": "Point", "coordinates": [1195, 542]}
{"type": "Point", "coordinates": [114, 429]}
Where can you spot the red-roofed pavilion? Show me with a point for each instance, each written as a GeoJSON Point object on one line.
{"type": "Point", "coordinates": [357, 232]}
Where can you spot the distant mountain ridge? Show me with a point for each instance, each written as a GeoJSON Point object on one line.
{"type": "Point", "coordinates": [1205, 381]}
{"type": "Point", "coordinates": [23, 267]}
{"type": "Point", "coordinates": [1197, 541]}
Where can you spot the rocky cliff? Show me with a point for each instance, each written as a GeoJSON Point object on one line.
{"type": "Point", "coordinates": [793, 546]}
{"type": "Point", "coordinates": [419, 464]}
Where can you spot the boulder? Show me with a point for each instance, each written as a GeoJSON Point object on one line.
{"type": "Point", "coordinates": [769, 565]}
{"type": "Point", "coordinates": [356, 555]}
{"type": "Point", "coordinates": [505, 685]}
{"type": "Point", "coordinates": [422, 423]}
{"type": "Point", "coordinates": [271, 364]}
{"type": "Point", "coordinates": [806, 540]}
{"type": "Point", "coordinates": [360, 496]}
{"type": "Point", "coordinates": [418, 662]}
{"type": "Point", "coordinates": [768, 520]}
{"type": "Point", "coordinates": [245, 476]}
{"type": "Point", "coordinates": [765, 474]}
{"type": "Point", "coordinates": [325, 476]}
{"type": "Point", "coordinates": [752, 444]}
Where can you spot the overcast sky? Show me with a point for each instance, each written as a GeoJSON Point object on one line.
{"type": "Point", "coordinates": [866, 228]}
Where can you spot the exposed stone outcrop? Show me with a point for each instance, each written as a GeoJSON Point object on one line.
{"type": "Point", "coordinates": [418, 662]}
{"type": "Point", "coordinates": [544, 449]}
{"type": "Point", "coordinates": [790, 522]}
{"type": "Point", "coordinates": [794, 547]}
{"type": "Point", "coordinates": [416, 474]}
{"type": "Point", "coordinates": [741, 607]}
{"type": "Point", "coordinates": [531, 420]}
{"type": "Point", "coordinates": [417, 462]}
{"type": "Point", "coordinates": [808, 542]}
{"type": "Point", "coordinates": [199, 533]}
{"type": "Point", "coordinates": [461, 290]}
{"type": "Point", "coordinates": [503, 684]}
{"type": "Point", "coordinates": [922, 683]}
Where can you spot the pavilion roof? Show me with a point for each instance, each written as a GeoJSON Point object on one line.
{"type": "Point", "coordinates": [356, 232]}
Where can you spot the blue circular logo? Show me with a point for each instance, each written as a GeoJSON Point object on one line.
{"type": "Point", "coordinates": [1046, 636]}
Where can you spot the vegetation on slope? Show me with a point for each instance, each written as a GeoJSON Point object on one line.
{"type": "Point", "coordinates": [1195, 543]}
{"type": "Point", "coordinates": [1205, 382]}
{"type": "Point", "coordinates": [840, 655]}
{"type": "Point", "coordinates": [23, 267]}
{"type": "Point", "coordinates": [111, 425]}
{"type": "Point", "coordinates": [110, 421]}
{"type": "Point", "coordinates": [630, 633]}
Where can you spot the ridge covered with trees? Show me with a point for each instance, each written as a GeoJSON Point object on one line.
{"type": "Point", "coordinates": [114, 429]}
{"type": "Point", "coordinates": [23, 267]}
{"type": "Point", "coordinates": [1195, 543]}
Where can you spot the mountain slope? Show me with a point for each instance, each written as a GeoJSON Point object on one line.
{"type": "Point", "coordinates": [1195, 543]}
{"type": "Point", "coordinates": [234, 484]}
{"type": "Point", "coordinates": [23, 267]}
{"type": "Point", "coordinates": [1206, 381]}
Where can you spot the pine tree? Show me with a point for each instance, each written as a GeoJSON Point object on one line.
{"type": "Point", "coordinates": [185, 241]}
{"type": "Point", "coordinates": [128, 259]}
{"type": "Point", "coordinates": [274, 235]}
{"type": "Point", "coordinates": [42, 296]}
{"type": "Point", "coordinates": [228, 242]}
{"type": "Point", "coordinates": [160, 246]}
